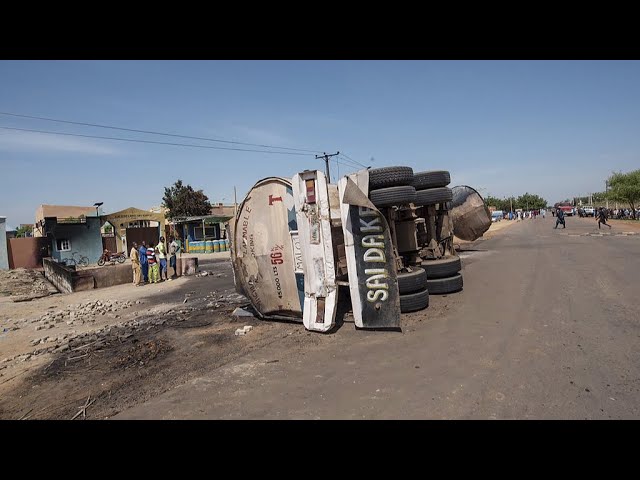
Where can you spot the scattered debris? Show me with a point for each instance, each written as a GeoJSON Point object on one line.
{"type": "Point", "coordinates": [243, 331]}
{"type": "Point", "coordinates": [83, 408]}
{"type": "Point", "coordinates": [23, 285]}
{"type": "Point", "coordinates": [241, 312]}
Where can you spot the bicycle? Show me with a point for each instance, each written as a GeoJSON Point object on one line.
{"type": "Point", "coordinates": [77, 259]}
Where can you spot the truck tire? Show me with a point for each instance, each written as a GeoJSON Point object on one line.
{"type": "Point", "coordinates": [432, 196]}
{"type": "Point", "coordinates": [431, 179]}
{"type": "Point", "coordinates": [390, 177]}
{"type": "Point", "coordinates": [392, 196]}
{"type": "Point", "coordinates": [442, 268]}
{"type": "Point", "coordinates": [412, 281]}
{"type": "Point", "coordinates": [444, 285]}
{"type": "Point", "coordinates": [413, 302]}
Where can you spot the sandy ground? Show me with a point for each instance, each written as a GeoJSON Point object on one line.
{"type": "Point", "coordinates": [495, 227]}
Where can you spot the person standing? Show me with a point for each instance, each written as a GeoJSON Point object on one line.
{"type": "Point", "coordinates": [560, 218]}
{"type": "Point", "coordinates": [144, 265]}
{"type": "Point", "coordinates": [162, 257]}
{"type": "Point", "coordinates": [602, 218]}
{"type": "Point", "coordinates": [135, 264]}
{"type": "Point", "coordinates": [174, 248]}
{"type": "Point", "coordinates": [153, 264]}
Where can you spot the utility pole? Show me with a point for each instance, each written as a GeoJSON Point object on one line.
{"type": "Point", "coordinates": [606, 192]}
{"type": "Point", "coordinates": [235, 202]}
{"type": "Point", "coordinates": [326, 161]}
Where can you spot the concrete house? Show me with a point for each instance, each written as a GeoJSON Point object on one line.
{"type": "Point", "coordinates": [70, 229]}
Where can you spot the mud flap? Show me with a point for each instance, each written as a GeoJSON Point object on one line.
{"type": "Point", "coordinates": [311, 201]}
{"type": "Point", "coordinates": [373, 281]}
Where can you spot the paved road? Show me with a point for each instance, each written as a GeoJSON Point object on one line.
{"type": "Point", "coordinates": [547, 327]}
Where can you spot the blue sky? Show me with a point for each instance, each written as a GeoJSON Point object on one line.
{"type": "Point", "coordinates": [554, 128]}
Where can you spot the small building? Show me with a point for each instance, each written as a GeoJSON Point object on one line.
{"type": "Point", "coordinates": [4, 254]}
{"type": "Point", "coordinates": [70, 230]}
{"type": "Point", "coordinates": [202, 234]}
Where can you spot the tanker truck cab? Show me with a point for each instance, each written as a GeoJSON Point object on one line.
{"type": "Point", "coordinates": [344, 241]}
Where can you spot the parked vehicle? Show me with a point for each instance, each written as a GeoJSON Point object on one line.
{"type": "Point", "coordinates": [589, 211]}
{"type": "Point", "coordinates": [567, 208]}
{"type": "Point", "coordinates": [497, 216]}
{"type": "Point", "coordinates": [111, 257]}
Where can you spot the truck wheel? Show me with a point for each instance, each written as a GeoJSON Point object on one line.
{"type": "Point", "coordinates": [413, 302]}
{"type": "Point", "coordinates": [432, 196]}
{"type": "Point", "coordinates": [445, 285]}
{"type": "Point", "coordinates": [392, 196]}
{"type": "Point", "coordinates": [390, 177]}
{"type": "Point", "coordinates": [442, 268]}
{"type": "Point", "coordinates": [412, 281]}
{"type": "Point", "coordinates": [431, 179]}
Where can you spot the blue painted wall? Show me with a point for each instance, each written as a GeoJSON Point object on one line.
{"type": "Point", "coordinates": [4, 254]}
{"type": "Point", "coordinates": [85, 239]}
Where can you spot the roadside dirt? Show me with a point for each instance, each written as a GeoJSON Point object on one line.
{"type": "Point", "coordinates": [493, 229]}
{"type": "Point", "coordinates": [118, 345]}
{"type": "Point", "coordinates": [23, 285]}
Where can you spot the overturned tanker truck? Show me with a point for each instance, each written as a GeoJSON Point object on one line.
{"type": "Point", "coordinates": [385, 235]}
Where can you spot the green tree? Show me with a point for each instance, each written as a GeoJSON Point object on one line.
{"type": "Point", "coordinates": [183, 201]}
{"type": "Point", "coordinates": [529, 201]}
{"type": "Point", "coordinates": [23, 231]}
{"type": "Point", "coordinates": [490, 201]}
{"type": "Point", "coordinates": [625, 187]}
{"type": "Point", "coordinates": [599, 197]}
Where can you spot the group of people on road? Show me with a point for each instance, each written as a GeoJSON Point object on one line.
{"type": "Point", "coordinates": [601, 215]}
{"type": "Point", "coordinates": [531, 214]}
{"type": "Point", "coordinates": [149, 263]}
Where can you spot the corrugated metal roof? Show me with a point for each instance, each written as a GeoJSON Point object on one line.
{"type": "Point", "coordinates": [206, 218]}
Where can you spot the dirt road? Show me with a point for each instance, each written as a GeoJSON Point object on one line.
{"type": "Point", "coordinates": [546, 327]}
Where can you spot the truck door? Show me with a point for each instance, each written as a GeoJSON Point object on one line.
{"type": "Point", "coordinates": [371, 265]}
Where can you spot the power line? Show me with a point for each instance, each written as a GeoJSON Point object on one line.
{"type": "Point", "coordinates": [151, 141]}
{"type": "Point", "coordinates": [351, 163]}
{"type": "Point", "coordinates": [348, 157]}
{"type": "Point", "coordinates": [154, 133]}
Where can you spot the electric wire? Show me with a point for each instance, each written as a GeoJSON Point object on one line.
{"type": "Point", "coordinates": [151, 132]}
{"type": "Point", "coordinates": [152, 141]}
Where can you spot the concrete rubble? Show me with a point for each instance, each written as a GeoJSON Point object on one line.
{"type": "Point", "coordinates": [22, 284]}
{"type": "Point", "coordinates": [88, 312]}
{"type": "Point", "coordinates": [243, 331]}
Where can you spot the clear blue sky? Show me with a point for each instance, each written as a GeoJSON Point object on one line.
{"type": "Point", "coordinates": [554, 128]}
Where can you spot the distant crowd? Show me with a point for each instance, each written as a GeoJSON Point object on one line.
{"type": "Point", "coordinates": [149, 263]}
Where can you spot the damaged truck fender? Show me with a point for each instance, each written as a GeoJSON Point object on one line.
{"type": "Point", "coordinates": [373, 282]}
